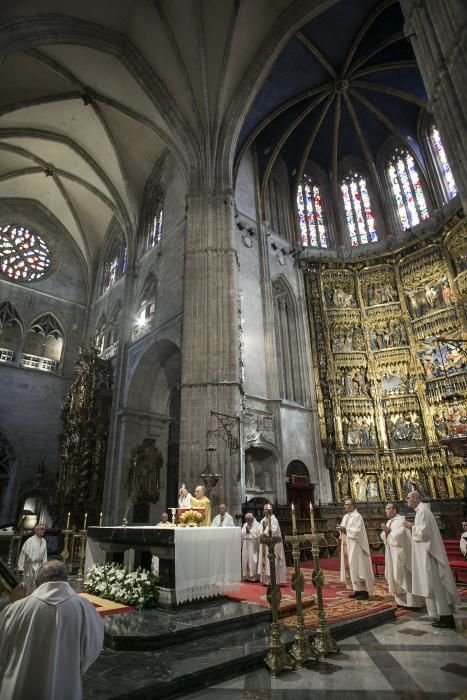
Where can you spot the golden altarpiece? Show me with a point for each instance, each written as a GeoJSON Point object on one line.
{"type": "Point", "coordinates": [390, 383]}
{"type": "Point", "coordinates": [83, 442]}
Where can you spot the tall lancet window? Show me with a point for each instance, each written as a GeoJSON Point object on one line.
{"type": "Point", "coordinates": [310, 214]}
{"type": "Point", "coordinates": [288, 355]}
{"type": "Point", "coordinates": [442, 164]}
{"type": "Point", "coordinates": [406, 189]}
{"type": "Point", "coordinates": [359, 215]}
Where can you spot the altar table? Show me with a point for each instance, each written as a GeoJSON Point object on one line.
{"type": "Point", "coordinates": [194, 562]}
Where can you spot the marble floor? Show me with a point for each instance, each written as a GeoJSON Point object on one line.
{"type": "Point", "coordinates": [405, 659]}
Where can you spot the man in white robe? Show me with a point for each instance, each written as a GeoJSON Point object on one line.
{"type": "Point", "coordinates": [431, 574]}
{"type": "Point", "coordinates": [251, 532]}
{"type": "Point", "coordinates": [223, 519]}
{"type": "Point", "coordinates": [463, 540]}
{"type": "Point", "coordinates": [48, 640]}
{"type": "Point", "coordinates": [398, 559]}
{"type": "Point", "coordinates": [184, 497]}
{"type": "Point", "coordinates": [263, 559]}
{"type": "Point", "coordinates": [356, 568]}
{"type": "Point", "coordinates": [32, 556]}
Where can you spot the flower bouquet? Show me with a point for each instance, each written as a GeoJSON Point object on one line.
{"type": "Point", "coordinates": [116, 582]}
{"type": "Point", "coordinates": [191, 518]}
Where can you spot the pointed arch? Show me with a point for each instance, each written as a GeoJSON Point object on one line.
{"type": "Point", "coordinates": [358, 206]}
{"type": "Point", "coordinates": [100, 333]}
{"type": "Point", "coordinates": [277, 204]}
{"type": "Point", "coordinates": [287, 341]}
{"type": "Point", "coordinates": [114, 257]}
{"type": "Point", "coordinates": [146, 306]}
{"type": "Point", "coordinates": [11, 332]}
{"type": "Point", "coordinates": [43, 344]}
{"type": "Point", "coordinates": [314, 209]}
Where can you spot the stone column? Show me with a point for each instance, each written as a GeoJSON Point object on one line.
{"type": "Point", "coordinates": [438, 32]}
{"type": "Point", "coordinates": [210, 365]}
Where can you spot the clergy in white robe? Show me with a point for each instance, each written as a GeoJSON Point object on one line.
{"type": "Point", "coordinates": [431, 574]}
{"type": "Point", "coordinates": [398, 559]}
{"type": "Point", "coordinates": [33, 554]}
{"type": "Point", "coordinates": [223, 519]}
{"type": "Point", "coordinates": [263, 559]}
{"type": "Point", "coordinates": [48, 640]}
{"type": "Point", "coordinates": [463, 540]}
{"type": "Point", "coordinates": [251, 532]}
{"type": "Point", "coordinates": [356, 567]}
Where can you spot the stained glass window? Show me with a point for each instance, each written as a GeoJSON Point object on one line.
{"type": "Point", "coordinates": [359, 216]}
{"type": "Point", "coordinates": [115, 265]}
{"type": "Point", "coordinates": [24, 256]}
{"type": "Point", "coordinates": [310, 213]}
{"type": "Point", "coordinates": [406, 189]}
{"type": "Point", "coordinates": [444, 169]}
{"type": "Point", "coordinates": [155, 229]}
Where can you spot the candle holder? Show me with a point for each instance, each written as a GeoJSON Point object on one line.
{"type": "Point", "coordinates": [277, 658]}
{"type": "Point", "coordinates": [65, 553]}
{"type": "Point", "coordinates": [82, 556]}
{"type": "Point", "coordinates": [174, 516]}
{"type": "Point", "coordinates": [301, 649]}
{"type": "Point", "coordinates": [323, 643]}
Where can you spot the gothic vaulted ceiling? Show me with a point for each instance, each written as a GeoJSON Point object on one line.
{"type": "Point", "coordinates": [344, 83]}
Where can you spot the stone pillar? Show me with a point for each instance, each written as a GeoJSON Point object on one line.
{"type": "Point", "coordinates": [438, 32]}
{"type": "Point", "coordinates": [210, 366]}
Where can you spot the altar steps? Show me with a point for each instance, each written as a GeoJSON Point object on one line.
{"type": "Point", "coordinates": [186, 663]}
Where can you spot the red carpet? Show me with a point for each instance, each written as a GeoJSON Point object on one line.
{"type": "Point", "coordinates": [338, 606]}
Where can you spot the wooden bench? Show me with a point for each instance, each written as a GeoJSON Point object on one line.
{"type": "Point", "coordinates": [458, 566]}
{"type": "Point", "coordinates": [377, 560]}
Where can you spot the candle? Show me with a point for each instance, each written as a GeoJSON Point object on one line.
{"type": "Point", "coordinates": [68, 521]}
{"type": "Point", "coordinates": [294, 522]}
{"type": "Point", "coordinates": [312, 519]}
{"type": "Point", "coordinates": [85, 521]}
{"type": "Point", "coordinates": [269, 519]}
{"type": "Point", "coordinates": [100, 520]}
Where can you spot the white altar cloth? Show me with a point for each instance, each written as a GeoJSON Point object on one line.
{"type": "Point", "coordinates": [207, 561]}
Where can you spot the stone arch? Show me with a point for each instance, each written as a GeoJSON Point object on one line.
{"type": "Point", "coordinates": [287, 341]}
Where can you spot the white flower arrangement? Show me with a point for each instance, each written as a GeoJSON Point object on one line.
{"type": "Point", "coordinates": [115, 582]}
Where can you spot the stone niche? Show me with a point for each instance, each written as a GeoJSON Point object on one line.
{"type": "Point", "coordinates": [260, 472]}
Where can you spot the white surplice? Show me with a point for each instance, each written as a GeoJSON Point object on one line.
{"type": "Point", "coordinates": [356, 568]}
{"type": "Point", "coordinates": [33, 554]}
{"type": "Point", "coordinates": [463, 544]}
{"type": "Point", "coordinates": [263, 560]}
{"type": "Point", "coordinates": [250, 549]}
{"type": "Point", "coordinates": [431, 574]}
{"type": "Point", "coordinates": [398, 563]}
{"type": "Point", "coordinates": [226, 521]}
{"type": "Point", "coordinates": [185, 502]}
{"type": "Point", "coordinates": [47, 641]}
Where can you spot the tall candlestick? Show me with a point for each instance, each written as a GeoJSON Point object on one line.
{"type": "Point", "coordinates": [68, 521]}
{"type": "Point", "coordinates": [294, 522]}
{"type": "Point", "coordinates": [312, 519]}
{"type": "Point", "coordinates": [269, 519]}
{"type": "Point", "coordinates": [85, 521]}
{"type": "Point", "coordinates": [100, 520]}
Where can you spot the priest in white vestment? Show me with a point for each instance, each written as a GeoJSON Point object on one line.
{"type": "Point", "coordinates": [463, 540]}
{"type": "Point", "coordinates": [431, 574]}
{"type": "Point", "coordinates": [48, 640]}
{"type": "Point", "coordinates": [398, 559]}
{"type": "Point", "coordinates": [356, 567]}
{"type": "Point", "coordinates": [251, 532]}
{"type": "Point", "coordinates": [33, 554]}
{"type": "Point", "coordinates": [263, 559]}
{"type": "Point", "coordinates": [223, 519]}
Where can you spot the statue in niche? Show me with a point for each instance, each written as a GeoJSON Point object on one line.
{"type": "Point", "coordinates": [441, 426]}
{"type": "Point", "coordinates": [358, 341]}
{"type": "Point", "coordinates": [374, 345]}
{"type": "Point", "coordinates": [372, 489]}
{"type": "Point", "coordinates": [446, 293]}
{"type": "Point", "coordinates": [360, 488]}
{"type": "Point", "coordinates": [343, 480]}
{"type": "Point", "coordinates": [458, 485]}
{"type": "Point", "coordinates": [361, 387]}
{"type": "Point", "coordinates": [353, 435]}
{"type": "Point", "coordinates": [348, 342]}
{"type": "Point", "coordinates": [250, 474]}
{"type": "Point", "coordinates": [388, 294]}
{"type": "Point", "coordinates": [441, 487]}
{"type": "Point", "coordinates": [341, 299]}
{"type": "Point", "coordinates": [431, 296]}
{"type": "Point", "coordinates": [144, 474]}
{"type": "Point", "coordinates": [389, 488]}
{"type": "Point", "coordinates": [365, 433]}
{"type": "Point", "coordinates": [348, 386]}
{"type": "Point", "coordinates": [373, 436]}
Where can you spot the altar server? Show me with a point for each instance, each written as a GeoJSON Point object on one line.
{"type": "Point", "coordinates": [431, 574]}
{"type": "Point", "coordinates": [263, 560]}
{"type": "Point", "coordinates": [33, 554]}
{"type": "Point", "coordinates": [48, 640]}
{"type": "Point", "coordinates": [463, 540]}
{"type": "Point", "coordinates": [223, 519]}
{"type": "Point", "coordinates": [356, 568]}
{"type": "Point", "coordinates": [184, 497]}
{"type": "Point", "coordinates": [398, 558]}
{"type": "Point", "coordinates": [251, 532]}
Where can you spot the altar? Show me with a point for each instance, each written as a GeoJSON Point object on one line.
{"type": "Point", "coordinates": [194, 562]}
